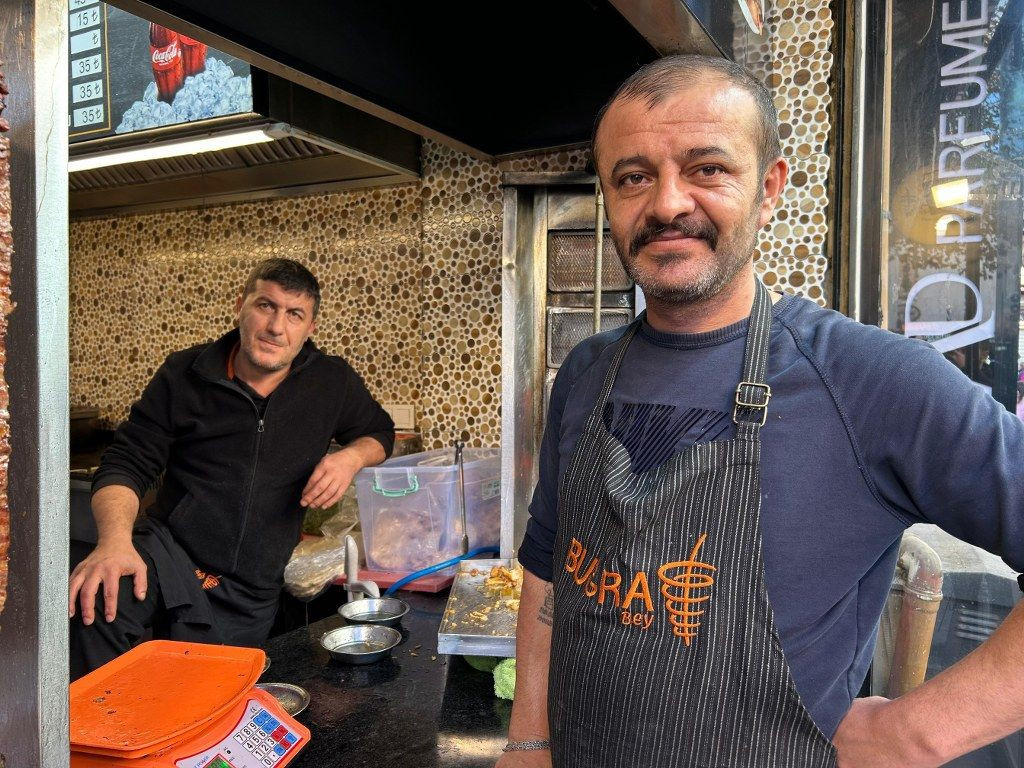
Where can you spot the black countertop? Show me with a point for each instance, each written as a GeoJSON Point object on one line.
{"type": "Point", "coordinates": [415, 709]}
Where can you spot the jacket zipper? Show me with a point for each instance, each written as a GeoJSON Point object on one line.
{"type": "Point", "coordinates": [260, 421]}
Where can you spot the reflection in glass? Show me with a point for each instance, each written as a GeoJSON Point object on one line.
{"type": "Point", "coordinates": [952, 261]}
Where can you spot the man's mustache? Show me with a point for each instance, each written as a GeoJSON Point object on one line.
{"type": "Point", "coordinates": [700, 228]}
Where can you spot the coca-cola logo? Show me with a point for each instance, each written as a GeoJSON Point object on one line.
{"type": "Point", "coordinates": [165, 56]}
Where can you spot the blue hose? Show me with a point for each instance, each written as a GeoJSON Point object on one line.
{"type": "Point", "coordinates": [439, 567]}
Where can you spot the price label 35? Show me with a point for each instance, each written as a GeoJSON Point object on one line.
{"type": "Point", "coordinates": [87, 116]}
{"type": "Point", "coordinates": [87, 65]}
{"type": "Point", "coordinates": [87, 91]}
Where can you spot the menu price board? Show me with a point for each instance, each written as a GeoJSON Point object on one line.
{"type": "Point", "coordinates": [88, 110]}
{"type": "Point", "coordinates": [127, 74]}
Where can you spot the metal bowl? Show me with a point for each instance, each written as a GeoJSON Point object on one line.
{"type": "Point", "coordinates": [292, 698]}
{"type": "Point", "coordinates": [360, 643]}
{"type": "Point", "coordinates": [385, 611]}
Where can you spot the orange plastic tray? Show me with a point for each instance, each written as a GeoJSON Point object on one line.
{"type": "Point", "coordinates": [186, 751]}
{"type": "Point", "coordinates": [158, 693]}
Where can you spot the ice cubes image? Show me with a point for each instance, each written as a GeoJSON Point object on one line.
{"type": "Point", "coordinates": [213, 92]}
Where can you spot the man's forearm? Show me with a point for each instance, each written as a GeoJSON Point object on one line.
{"type": "Point", "coordinates": [364, 452]}
{"type": "Point", "coordinates": [115, 508]}
{"type": "Point", "coordinates": [975, 702]}
{"type": "Point", "coordinates": [529, 720]}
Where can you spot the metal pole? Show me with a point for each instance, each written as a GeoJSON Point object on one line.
{"type": "Point", "coordinates": [885, 201]}
{"type": "Point", "coordinates": [34, 624]}
{"type": "Point", "coordinates": [598, 254]}
{"type": "Point", "coordinates": [459, 462]}
{"type": "Point", "coordinates": [855, 254]}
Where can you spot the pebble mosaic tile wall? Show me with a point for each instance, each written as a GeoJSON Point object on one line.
{"type": "Point", "coordinates": [411, 273]}
{"type": "Point", "coordinates": [144, 286]}
{"type": "Point", "coordinates": [795, 61]}
{"type": "Point", "coordinates": [461, 313]}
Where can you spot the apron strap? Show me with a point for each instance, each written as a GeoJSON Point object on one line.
{"type": "Point", "coordinates": [609, 378]}
{"type": "Point", "coordinates": [750, 408]}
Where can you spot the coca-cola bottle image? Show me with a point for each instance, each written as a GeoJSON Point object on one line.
{"type": "Point", "coordinates": [193, 53]}
{"type": "Point", "coordinates": [165, 56]}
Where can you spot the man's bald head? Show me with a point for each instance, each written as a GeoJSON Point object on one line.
{"type": "Point", "coordinates": [660, 79]}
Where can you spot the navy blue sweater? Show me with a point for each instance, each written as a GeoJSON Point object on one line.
{"type": "Point", "coordinates": [867, 433]}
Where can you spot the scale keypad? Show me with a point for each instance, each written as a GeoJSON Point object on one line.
{"type": "Point", "coordinates": [259, 740]}
{"type": "Point", "coordinates": [266, 738]}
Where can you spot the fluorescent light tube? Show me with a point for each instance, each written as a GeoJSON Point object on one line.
{"type": "Point", "coordinates": [190, 146]}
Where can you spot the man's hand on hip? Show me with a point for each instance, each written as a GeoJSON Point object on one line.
{"type": "Point", "coordinates": [104, 567]}
{"type": "Point", "coordinates": [870, 737]}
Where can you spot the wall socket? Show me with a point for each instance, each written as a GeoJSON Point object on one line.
{"type": "Point", "coordinates": [403, 414]}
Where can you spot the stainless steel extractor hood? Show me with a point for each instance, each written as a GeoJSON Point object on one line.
{"type": "Point", "coordinates": [310, 144]}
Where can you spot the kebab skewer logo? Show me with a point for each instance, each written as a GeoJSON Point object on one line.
{"type": "Point", "coordinates": [685, 588]}
{"type": "Point", "coordinates": [682, 583]}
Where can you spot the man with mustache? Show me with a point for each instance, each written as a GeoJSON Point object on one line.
{"type": "Point", "coordinates": [240, 429]}
{"type": "Point", "coordinates": [724, 485]}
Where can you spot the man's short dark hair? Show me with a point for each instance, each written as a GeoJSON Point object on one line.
{"type": "Point", "coordinates": [289, 274]}
{"type": "Point", "coordinates": [658, 80]}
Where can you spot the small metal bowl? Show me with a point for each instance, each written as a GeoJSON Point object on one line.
{"type": "Point", "coordinates": [385, 611]}
{"type": "Point", "coordinates": [292, 698]}
{"type": "Point", "coordinates": [360, 643]}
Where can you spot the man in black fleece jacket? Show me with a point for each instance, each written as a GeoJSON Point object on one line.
{"type": "Point", "coordinates": [240, 428]}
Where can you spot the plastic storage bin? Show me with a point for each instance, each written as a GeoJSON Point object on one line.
{"type": "Point", "coordinates": [410, 511]}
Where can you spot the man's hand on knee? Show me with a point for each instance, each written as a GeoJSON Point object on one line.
{"type": "Point", "coordinates": [104, 568]}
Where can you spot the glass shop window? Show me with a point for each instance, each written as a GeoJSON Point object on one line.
{"type": "Point", "coordinates": [944, 202]}
{"type": "Point", "coordinates": [951, 270]}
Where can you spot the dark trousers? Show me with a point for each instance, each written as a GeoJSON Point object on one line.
{"type": "Point", "coordinates": [238, 618]}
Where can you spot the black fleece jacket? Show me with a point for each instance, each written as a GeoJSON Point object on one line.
{"type": "Point", "coordinates": [233, 480]}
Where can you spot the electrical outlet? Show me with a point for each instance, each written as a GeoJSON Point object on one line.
{"type": "Point", "coordinates": [403, 414]}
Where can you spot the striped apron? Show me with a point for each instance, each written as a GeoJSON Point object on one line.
{"type": "Point", "coordinates": [664, 648]}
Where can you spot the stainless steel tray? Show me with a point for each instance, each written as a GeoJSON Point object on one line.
{"type": "Point", "coordinates": [462, 633]}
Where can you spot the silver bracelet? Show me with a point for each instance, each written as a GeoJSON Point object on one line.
{"type": "Point", "coordinates": [523, 746]}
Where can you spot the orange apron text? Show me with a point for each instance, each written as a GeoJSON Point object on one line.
{"type": "Point", "coordinates": [684, 588]}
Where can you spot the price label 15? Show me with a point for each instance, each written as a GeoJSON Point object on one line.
{"type": "Point", "coordinates": [86, 91]}
{"type": "Point", "coordinates": [87, 65]}
{"type": "Point", "coordinates": [90, 17]}
{"type": "Point", "coordinates": [87, 116]}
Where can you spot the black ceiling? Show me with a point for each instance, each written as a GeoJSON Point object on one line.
{"type": "Point", "coordinates": [498, 78]}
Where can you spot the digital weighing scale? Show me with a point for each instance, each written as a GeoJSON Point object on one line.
{"type": "Point", "coordinates": [167, 704]}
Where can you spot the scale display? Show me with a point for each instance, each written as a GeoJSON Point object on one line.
{"type": "Point", "coordinates": [127, 74]}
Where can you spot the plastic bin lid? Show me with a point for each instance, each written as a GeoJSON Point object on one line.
{"type": "Point", "coordinates": [438, 460]}
{"type": "Point", "coordinates": [157, 693]}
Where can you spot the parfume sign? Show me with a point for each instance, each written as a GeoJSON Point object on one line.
{"type": "Point", "coordinates": [951, 268]}
{"type": "Point", "coordinates": [964, 88]}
